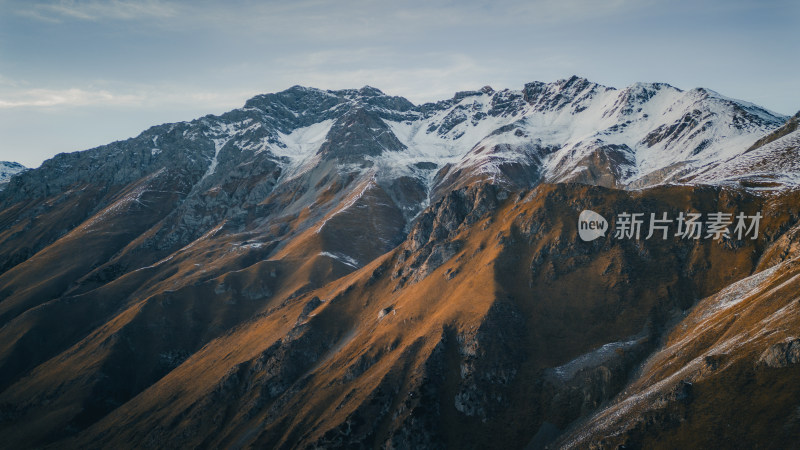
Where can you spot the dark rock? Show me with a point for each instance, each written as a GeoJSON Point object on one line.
{"type": "Point", "coordinates": [782, 354]}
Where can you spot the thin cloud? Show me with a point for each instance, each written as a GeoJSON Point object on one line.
{"type": "Point", "coordinates": [140, 97]}
{"type": "Point", "coordinates": [96, 10]}
{"type": "Point", "coordinates": [65, 97]}
{"type": "Point", "coordinates": [8, 82]}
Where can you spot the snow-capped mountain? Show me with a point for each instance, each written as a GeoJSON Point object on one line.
{"type": "Point", "coordinates": [9, 169]}
{"type": "Point", "coordinates": [345, 269]}
{"type": "Point", "coordinates": [339, 151]}
{"type": "Point", "coordinates": [575, 130]}
{"type": "Point", "coordinates": [562, 131]}
{"type": "Point", "coordinates": [570, 130]}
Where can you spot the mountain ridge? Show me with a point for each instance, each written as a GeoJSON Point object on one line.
{"type": "Point", "coordinates": [344, 268]}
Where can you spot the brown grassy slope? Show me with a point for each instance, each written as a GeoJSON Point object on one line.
{"type": "Point", "coordinates": [123, 331]}
{"type": "Point", "coordinates": [84, 245]}
{"type": "Point", "coordinates": [460, 357]}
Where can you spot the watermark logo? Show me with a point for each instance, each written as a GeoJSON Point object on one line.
{"type": "Point", "coordinates": [591, 225]}
{"type": "Point", "coordinates": [716, 226]}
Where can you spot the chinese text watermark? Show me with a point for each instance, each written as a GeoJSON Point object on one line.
{"type": "Point", "coordinates": [689, 225]}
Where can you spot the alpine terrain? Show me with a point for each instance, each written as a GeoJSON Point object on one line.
{"type": "Point", "coordinates": [346, 269]}
{"type": "Point", "coordinates": [7, 170]}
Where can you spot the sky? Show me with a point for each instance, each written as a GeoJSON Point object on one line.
{"type": "Point", "coordinates": [77, 74]}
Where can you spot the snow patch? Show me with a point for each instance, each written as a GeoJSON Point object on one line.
{"type": "Point", "coordinates": [341, 257]}
{"type": "Point", "coordinates": [303, 142]}
{"type": "Point", "coordinates": [592, 359]}
{"type": "Point", "coordinates": [350, 202]}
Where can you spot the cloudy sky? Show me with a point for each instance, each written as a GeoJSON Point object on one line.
{"type": "Point", "coordinates": [77, 74]}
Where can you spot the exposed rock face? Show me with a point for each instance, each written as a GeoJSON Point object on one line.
{"type": "Point", "coordinates": [782, 354]}
{"type": "Point", "coordinates": [491, 358]}
{"type": "Point", "coordinates": [358, 134]}
{"type": "Point", "coordinates": [346, 269]}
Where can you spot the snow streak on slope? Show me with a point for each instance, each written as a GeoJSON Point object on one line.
{"type": "Point", "coordinates": [221, 135]}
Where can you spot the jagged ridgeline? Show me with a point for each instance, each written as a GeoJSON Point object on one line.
{"type": "Point", "coordinates": [347, 269]}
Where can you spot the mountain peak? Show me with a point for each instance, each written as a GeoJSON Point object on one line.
{"type": "Point", "coordinates": [573, 80]}
{"type": "Point", "coordinates": [369, 91]}
{"type": "Point", "coordinates": [649, 87]}
{"type": "Point", "coordinates": [560, 93]}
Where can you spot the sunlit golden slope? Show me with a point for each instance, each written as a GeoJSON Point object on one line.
{"type": "Point", "coordinates": [464, 336]}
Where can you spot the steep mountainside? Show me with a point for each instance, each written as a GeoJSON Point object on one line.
{"type": "Point", "coordinates": [347, 269]}
{"type": "Point", "coordinates": [727, 374]}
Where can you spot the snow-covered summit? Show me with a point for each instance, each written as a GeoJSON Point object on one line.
{"type": "Point", "coordinates": [9, 169]}
{"type": "Point", "coordinates": [640, 135]}
{"type": "Point", "coordinates": [570, 130]}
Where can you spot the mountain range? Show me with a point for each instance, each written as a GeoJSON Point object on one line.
{"type": "Point", "coordinates": [328, 269]}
